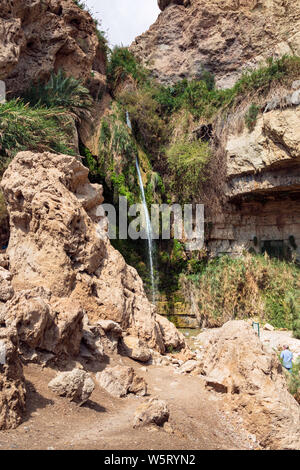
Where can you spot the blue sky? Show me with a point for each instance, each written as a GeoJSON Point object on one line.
{"type": "Point", "coordinates": [123, 20]}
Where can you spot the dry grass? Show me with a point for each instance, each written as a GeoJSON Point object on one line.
{"type": "Point", "coordinates": [248, 287]}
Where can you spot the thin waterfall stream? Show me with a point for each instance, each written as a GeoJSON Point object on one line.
{"type": "Point", "coordinates": [147, 220]}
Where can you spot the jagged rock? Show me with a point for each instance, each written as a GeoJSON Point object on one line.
{"type": "Point", "coordinates": [91, 338]}
{"type": "Point", "coordinates": [254, 385]}
{"type": "Point", "coordinates": [59, 241]}
{"type": "Point", "coordinates": [42, 325]}
{"type": "Point", "coordinates": [12, 385]}
{"type": "Point", "coordinates": [39, 36]}
{"type": "Point", "coordinates": [154, 411]}
{"type": "Point", "coordinates": [76, 385]}
{"type": "Point", "coordinates": [6, 289]}
{"type": "Point", "coordinates": [136, 349]}
{"type": "Point", "coordinates": [120, 380]}
{"type": "Point", "coordinates": [225, 37]}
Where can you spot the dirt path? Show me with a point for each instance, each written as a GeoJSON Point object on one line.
{"type": "Point", "coordinates": [106, 422]}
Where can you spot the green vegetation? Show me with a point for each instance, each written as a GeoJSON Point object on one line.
{"type": "Point", "coordinates": [149, 128]}
{"type": "Point", "coordinates": [250, 286]}
{"type": "Point", "coordinates": [203, 100]}
{"type": "Point", "coordinates": [32, 128]}
{"type": "Point", "coordinates": [60, 91]}
{"type": "Point", "coordinates": [122, 65]}
{"type": "Point", "coordinates": [296, 317]}
{"type": "Point", "coordinates": [37, 129]}
{"type": "Point", "coordinates": [187, 161]}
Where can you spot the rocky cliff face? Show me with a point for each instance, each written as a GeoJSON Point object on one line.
{"type": "Point", "coordinates": [38, 37]}
{"type": "Point", "coordinates": [59, 245]}
{"type": "Point", "coordinates": [223, 37]}
{"type": "Point", "coordinates": [263, 183]}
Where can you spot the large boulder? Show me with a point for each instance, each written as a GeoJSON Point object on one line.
{"type": "Point", "coordinates": [12, 383]}
{"type": "Point", "coordinates": [59, 241]}
{"type": "Point", "coordinates": [173, 339]}
{"type": "Point", "coordinates": [253, 385]}
{"type": "Point", "coordinates": [76, 385]}
{"type": "Point", "coordinates": [136, 349]}
{"type": "Point", "coordinates": [121, 380]}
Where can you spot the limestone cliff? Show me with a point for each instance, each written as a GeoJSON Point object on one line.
{"type": "Point", "coordinates": [38, 37]}
{"type": "Point", "coordinates": [59, 250]}
{"type": "Point", "coordinates": [263, 184]}
{"type": "Point", "coordinates": [223, 37]}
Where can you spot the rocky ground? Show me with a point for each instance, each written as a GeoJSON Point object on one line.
{"type": "Point", "coordinates": [106, 422]}
{"type": "Point", "coordinates": [201, 415]}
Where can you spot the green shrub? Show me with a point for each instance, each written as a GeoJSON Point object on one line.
{"type": "Point", "coordinates": [37, 129]}
{"type": "Point", "coordinates": [187, 162]}
{"type": "Point", "coordinates": [123, 64]}
{"type": "Point", "coordinates": [60, 91]}
{"type": "Point", "coordinates": [148, 127]}
{"type": "Point", "coordinates": [296, 316]}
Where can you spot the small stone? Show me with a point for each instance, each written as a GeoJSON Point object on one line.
{"type": "Point", "coordinates": [269, 327]}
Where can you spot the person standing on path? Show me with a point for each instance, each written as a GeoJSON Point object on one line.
{"type": "Point", "coordinates": [287, 358]}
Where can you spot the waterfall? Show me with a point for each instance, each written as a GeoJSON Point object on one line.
{"type": "Point", "coordinates": [147, 220]}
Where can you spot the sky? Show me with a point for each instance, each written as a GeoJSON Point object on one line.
{"type": "Point", "coordinates": [123, 20]}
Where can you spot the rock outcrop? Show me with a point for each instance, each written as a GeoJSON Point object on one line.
{"type": "Point", "coordinates": [224, 37]}
{"type": "Point", "coordinates": [253, 385]}
{"type": "Point", "coordinates": [38, 37]}
{"type": "Point", "coordinates": [61, 260]}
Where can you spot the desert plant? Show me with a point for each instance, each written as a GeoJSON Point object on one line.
{"type": "Point", "coordinates": [60, 91]}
